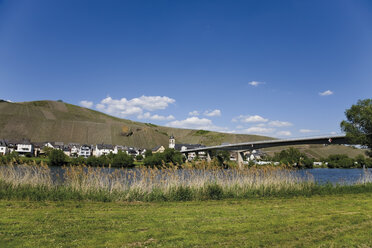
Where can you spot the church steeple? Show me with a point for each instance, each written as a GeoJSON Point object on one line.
{"type": "Point", "coordinates": [172, 142]}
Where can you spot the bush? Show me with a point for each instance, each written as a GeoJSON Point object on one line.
{"type": "Point", "coordinates": [139, 157]}
{"type": "Point", "coordinates": [57, 158]}
{"type": "Point", "coordinates": [214, 191]}
{"type": "Point", "coordinates": [169, 156]}
{"type": "Point", "coordinates": [340, 161]}
{"type": "Point", "coordinates": [181, 193]}
{"type": "Point", "coordinates": [122, 159]}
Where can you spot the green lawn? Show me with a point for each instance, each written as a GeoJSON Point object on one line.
{"type": "Point", "coordinates": [325, 221]}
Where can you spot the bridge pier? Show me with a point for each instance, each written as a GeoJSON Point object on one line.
{"type": "Point", "coordinates": [209, 159]}
{"type": "Point", "coordinates": [240, 159]}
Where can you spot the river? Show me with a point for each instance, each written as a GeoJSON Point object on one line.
{"type": "Point", "coordinates": [320, 175]}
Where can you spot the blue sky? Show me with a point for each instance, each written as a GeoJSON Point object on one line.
{"type": "Point", "coordinates": [276, 68]}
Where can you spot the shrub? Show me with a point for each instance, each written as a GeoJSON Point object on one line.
{"type": "Point", "coordinates": [214, 191]}
{"type": "Point", "coordinates": [122, 159]}
{"type": "Point", "coordinates": [169, 156]}
{"type": "Point", "coordinates": [139, 157]}
{"type": "Point", "coordinates": [57, 158]}
{"type": "Point", "coordinates": [181, 193]}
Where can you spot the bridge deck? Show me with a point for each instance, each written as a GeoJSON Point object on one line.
{"type": "Point", "coordinates": [335, 139]}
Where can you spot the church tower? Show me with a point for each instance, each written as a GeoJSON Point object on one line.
{"type": "Point", "coordinates": [172, 142]}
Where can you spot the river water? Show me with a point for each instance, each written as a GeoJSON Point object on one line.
{"type": "Point", "coordinates": [320, 175]}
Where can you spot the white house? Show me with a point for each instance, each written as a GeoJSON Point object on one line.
{"type": "Point", "coordinates": [11, 146]}
{"type": "Point", "coordinates": [103, 149]}
{"type": "Point", "coordinates": [24, 147]}
{"type": "Point", "coordinates": [58, 145]}
{"type": "Point", "coordinates": [158, 149]}
{"type": "Point", "coordinates": [184, 147]}
{"type": "Point", "coordinates": [3, 147]}
{"type": "Point", "coordinates": [74, 149]}
{"type": "Point", "coordinates": [118, 148]}
{"type": "Point", "coordinates": [133, 151]}
{"type": "Point", "coordinates": [85, 151]}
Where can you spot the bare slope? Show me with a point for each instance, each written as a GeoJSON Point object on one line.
{"type": "Point", "coordinates": [58, 121]}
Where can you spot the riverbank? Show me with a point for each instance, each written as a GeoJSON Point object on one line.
{"type": "Point", "coordinates": [165, 185]}
{"type": "Point", "coordinates": [327, 221]}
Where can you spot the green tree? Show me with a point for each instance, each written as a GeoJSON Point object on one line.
{"type": "Point", "coordinates": [293, 157]}
{"type": "Point", "coordinates": [358, 126]}
{"type": "Point", "coordinates": [57, 158]}
{"type": "Point", "coordinates": [167, 157]}
{"type": "Point", "coordinates": [148, 153]}
{"type": "Point", "coordinates": [361, 160]}
{"type": "Point", "coordinates": [122, 159]}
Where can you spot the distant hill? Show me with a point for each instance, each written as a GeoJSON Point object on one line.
{"type": "Point", "coordinates": [59, 121]}
{"type": "Point", "coordinates": [320, 151]}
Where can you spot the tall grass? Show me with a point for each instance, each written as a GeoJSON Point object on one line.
{"type": "Point", "coordinates": [161, 184]}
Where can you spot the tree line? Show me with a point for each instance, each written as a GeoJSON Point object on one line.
{"type": "Point", "coordinates": [294, 158]}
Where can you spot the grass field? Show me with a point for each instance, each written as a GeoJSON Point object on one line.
{"type": "Point", "coordinates": [317, 221]}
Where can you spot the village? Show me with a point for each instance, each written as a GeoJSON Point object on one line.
{"type": "Point", "coordinates": [27, 148]}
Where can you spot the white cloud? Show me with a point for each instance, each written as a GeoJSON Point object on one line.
{"type": "Point", "coordinates": [194, 113]}
{"type": "Point", "coordinates": [255, 83]}
{"type": "Point", "coordinates": [259, 130]}
{"type": "Point", "coordinates": [280, 124]}
{"type": "Point", "coordinates": [333, 133]}
{"type": "Point", "coordinates": [155, 117]}
{"type": "Point", "coordinates": [308, 131]}
{"type": "Point", "coordinates": [86, 104]}
{"type": "Point", "coordinates": [135, 106]}
{"type": "Point", "coordinates": [261, 125]}
{"type": "Point", "coordinates": [284, 133]}
{"type": "Point", "coordinates": [249, 119]}
{"type": "Point", "coordinates": [195, 123]}
{"type": "Point", "coordinates": [326, 93]}
{"type": "Point", "coordinates": [213, 113]}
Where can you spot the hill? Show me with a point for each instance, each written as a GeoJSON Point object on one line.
{"type": "Point", "coordinates": [319, 151]}
{"type": "Point", "coordinates": [59, 121]}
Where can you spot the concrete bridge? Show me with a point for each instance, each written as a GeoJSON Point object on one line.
{"type": "Point", "coordinates": [240, 148]}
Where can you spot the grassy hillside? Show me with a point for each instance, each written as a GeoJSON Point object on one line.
{"type": "Point", "coordinates": [58, 121]}
{"type": "Point", "coordinates": [320, 151]}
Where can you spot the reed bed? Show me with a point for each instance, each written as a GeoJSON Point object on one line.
{"type": "Point", "coordinates": [172, 183]}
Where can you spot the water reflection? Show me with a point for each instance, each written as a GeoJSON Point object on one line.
{"type": "Point", "coordinates": [319, 175]}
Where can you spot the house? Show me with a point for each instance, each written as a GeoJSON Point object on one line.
{"type": "Point", "coordinates": [120, 148]}
{"type": "Point", "coordinates": [66, 150]}
{"type": "Point", "coordinates": [142, 152]}
{"type": "Point", "coordinates": [158, 149]}
{"type": "Point", "coordinates": [3, 147]}
{"type": "Point", "coordinates": [85, 151]}
{"type": "Point", "coordinates": [38, 148]}
{"type": "Point", "coordinates": [254, 155]}
{"type": "Point", "coordinates": [48, 144]}
{"type": "Point", "coordinates": [57, 145]}
{"type": "Point", "coordinates": [133, 151]}
{"type": "Point", "coordinates": [191, 155]}
{"type": "Point", "coordinates": [184, 147]}
{"type": "Point", "coordinates": [24, 147]}
{"type": "Point", "coordinates": [103, 149]}
{"type": "Point", "coordinates": [74, 149]}
{"type": "Point", "coordinates": [11, 146]}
